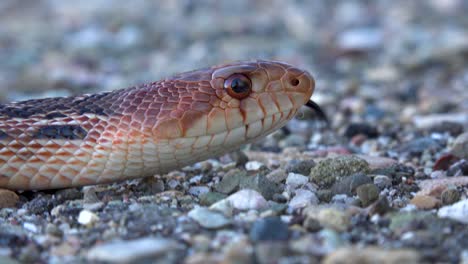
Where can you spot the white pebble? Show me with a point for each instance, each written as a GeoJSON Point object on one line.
{"type": "Point", "coordinates": [457, 211]}
{"type": "Point", "coordinates": [87, 217]}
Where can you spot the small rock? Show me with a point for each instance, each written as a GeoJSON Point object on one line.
{"type": "Point", "coordinates": [355, 129]}
{"type": "Point", "coordinates": [198, 190]}
{"type": "Point", "coordinates": [440, 122]}
{"type": "Point", "coordinates": [270, 252]}
{"type": "Point", "coordinates": [209, 198]}
{"type": "Point", "coordinates": [89, 195]}
{"type": "Point", "coordinates": [312, 224]}
{"type": "Point", "coordinates": [425, 202]}
{"type": "Point", "coordinates": [460, 146]}
{"type": "Point", "coordinates": [457, 211]}
{"type": "Point", "coordinates": [327, 171]}
{"type": "Point", "coordinates": [378, 163]}
{"type": "Point", "coordinates": [303, 198]}
{"type": "Point", "coordinates": [348, 185]}
{"type": "Point", "coordinates": [444, 162]}
{"type": "Point", "coordinates": [230, 181]}
{"type": "Point", "coordinates": [239, 158]}
{"type": "Point", "coordinates": [253, 165]}
{"type": "Point", "coordinates": [269, 229]}
{"type": "Point", "coordinates": [452, 128]}
{"type": "Point", "coordinates": [208, 219]}
{"type": "Point", "coordinates": [382, 181]}
{"type": "Point", "coordinates": [300, 166]}
{"type": "Point", "coordinates": [328, 217]}
{"type": "Point", "coordinates": [261, 184]}
{"type": "Point", "coordinates": [372, 255]}
{"type": "Point", "coordinates": [8, 199]}
{"type": "Point", "coordinates": [450, 196]}
{"type": "Point", "coordinates": [367, 193]}
{"type": "Point", "coordinates": [87, 217]}
{"type": "Point", "coordinates": [380, 207]}
{"type": "Point", "coordinates": [296, 180]}
{"type": "Point", "coordinates": [458, 168]}
{"type": "Point", "coordinates": [435, 187]}
{"type": "Point", "coordinates": [417, 146]}
{"type": "Point", "coordinates": [245, 200]}
{"type": "Point", "coordinates": [141, 250]}
{"type": "Point", "coordinates": [277, 176]}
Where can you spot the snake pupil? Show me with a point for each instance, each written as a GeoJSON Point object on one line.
{"type": "Point", "coordinates": [238, 86]}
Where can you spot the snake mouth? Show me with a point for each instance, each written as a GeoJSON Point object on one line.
{"type": "Point", "coordinates": [316, 108]}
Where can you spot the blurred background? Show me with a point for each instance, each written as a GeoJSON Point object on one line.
{"type": "Point", "coordinates": [369, 57]}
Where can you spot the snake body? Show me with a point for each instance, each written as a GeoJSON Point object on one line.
{"type": "Point", "coordinates": [148, 129]}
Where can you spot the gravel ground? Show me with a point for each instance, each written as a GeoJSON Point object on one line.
{"type": "Point", "coordinates": [387, 181]}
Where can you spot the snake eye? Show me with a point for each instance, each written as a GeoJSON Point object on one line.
{"type": "Point", "coordinates": [238, 86]}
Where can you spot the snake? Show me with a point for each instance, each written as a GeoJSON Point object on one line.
{"type": "Point", "coordinates": [148, 129]}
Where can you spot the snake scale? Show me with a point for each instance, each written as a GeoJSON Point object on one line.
{"type": "Point", "coordinates": [147, 129]}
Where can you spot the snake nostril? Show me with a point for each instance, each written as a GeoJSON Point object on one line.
{"type": "Point", "coordinates": [294, 82]}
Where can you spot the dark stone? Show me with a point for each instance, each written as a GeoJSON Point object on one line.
{"type": "Point", "coordinates": [361, 129]}
{"type": "Point", "coordinates": [209, 198]}
{"type": "Point", "coordinates": [230, 181]}
{"type": "Point", "coordinates": [260, 184]}
{"type": "Point", "coordinates": [61, 132]}
{"type": "Point", "coordinates": [453, 128]}
{"type": "Point", "coordinates": [459, 168]}
{"type": "Point", "coordinates": [417, 146]}
{"type": "Point", "coordinates": [269, 229]}
{"type": "Point", "coordinates": [367, 193]}
{"type": "Point", "coordinates": [300, 166]}
{"type": "Point", "coordinates": [348, 185]}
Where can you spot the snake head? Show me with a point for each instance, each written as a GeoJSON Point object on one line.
{"type": "Point", "coordinates": [235, 103]}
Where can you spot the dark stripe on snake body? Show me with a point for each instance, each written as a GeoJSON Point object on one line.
{"type": "Point", "coordinates": [61, 132]}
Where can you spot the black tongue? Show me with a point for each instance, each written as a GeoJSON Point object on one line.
{"type": "Point", "coordinates": [314, 106]}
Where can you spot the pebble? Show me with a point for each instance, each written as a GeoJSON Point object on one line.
{"type": "Point", "coordinates": [87, 218]}
{"type": "Point", "coordinates": [302, 198]}
{"type": "Point", "coordinates": [209, 198]}
{"type": "Point", "coordinates": [417, 146]}
{"type": "Point", "coordinates": [368, 193]}
{"type": "Point", "coordinates": [372, 255]}
{"type": "Point", "coordinates": [277, 175]}
{"type": "Point", "coordinates": [444, 162]}
{"type": "Point", "coordinates": [460, 146]}
{"type": "Point", "coordinates": [198, 190]}
{"type": "Point", "coordinates": [376, 163]}
{"type": "Point", "coordinates": [208, 218]}
{"type": "Point", "coordinates": [435, 187]}
{"type": "Point", "coordinates": [425, 202]}
{"type": "Point", "coordinates": [253, 165]}
{"type": "Point", "coordinates": [269, 229]}
{"type": "Point", "coordinates": [261, 184]}
{"type": "Point", "coordinates": [270, 252]}
{"type": "Point", "coordinates": [458, 168]}
{"type": "Point", "coordinates": [295, 180]}
{"type": "Point", "coordinates": [382, 181]}
{"type": "Point", "coordinates": [139, 250]}
{"type": "Point", "coordinates": [365, 129]}
{"type": "Point", "coordinates": [300, 166]}
{"type": "Point", "coordinates": [440, 120]}
{"type": "Point", "coordinates": [457, 211]}
{"type": "Point", "coordinates": [245, 200]}
{"type": "Point", "coordinates": [327, 171]}
{"type": "Point", "coordinates": [230, 181]}
{"type": "Point", "coordinates": [450, 196]}
{"type": "Point", "coordinates": [328, 217]}
{"type": "Point", "coordinates": [348, 185]}
{"type": "Point", "coordinates": [8, 199]}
